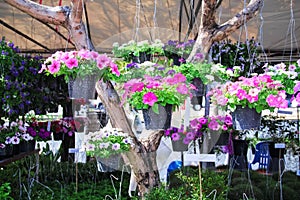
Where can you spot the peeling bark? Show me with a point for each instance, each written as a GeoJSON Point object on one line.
{"type": "Point", "coordinates": [68, 17]}
{"type": "Point", "coordinates": [142, 157]}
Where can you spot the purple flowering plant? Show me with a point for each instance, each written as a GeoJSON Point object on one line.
{"type": "Point", "coordinates": [260, 92]}
{"type": "Point", "coordinates": [81, 63]}
{"type": "Point", "coordinates": [37, 130]}
{"type": "Point", "coordinates": [11, 133]}
{"type": "Point", "coordinates": [198, 126]}
{"type": "Point", "coordinates": [106, 142]}
{"type": "Point", "coordinates": [182, 49]}
{"type": "Point", "coordinates": [21, 87]}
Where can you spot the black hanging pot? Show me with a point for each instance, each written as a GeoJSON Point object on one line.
{"type": "Point", "coordinates": [162, 120]}
{"type": "Point", "coordinates": [179, 145]}
{"type": "Point", "coordinates": [245, 118]}
{"type": "Point", "coordinates": [143, 57]}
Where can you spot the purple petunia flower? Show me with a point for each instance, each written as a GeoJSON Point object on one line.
{"type": "Point", "coordinates": [175, 136]}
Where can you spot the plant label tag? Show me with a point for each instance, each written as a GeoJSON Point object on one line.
{"type": "Point", "coordinates": [298, 172]}
{"type": "Point", "coordinates": [279, 145]}
{"type": "Point", "coordinates": [48, 125]}
{"type": "Point", "coordinates": [73, 150]}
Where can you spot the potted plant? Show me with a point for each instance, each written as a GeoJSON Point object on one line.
{"type": "Point", "coordinates": [197, 127]}
{"type": "Point", "coordinates": [9, 139]}
{"type": "Point", "coordinates": [178, 51]}
{"type": "Point", "coordinates": [138, 52]}
{"type": "Point", "coordinates": [66, 127]}
{"type": "Point", "coordinates": [38, 130]}
{"type": "Point", "coordinates": [81, 69]}
{"type": "Point", "coordinates": [106, 142]}
{"type": "Point", "coordinates": [241, 58]}
{"type": "Point", "coordinates": [255, 94]}
{"type": "Point", "coordinates": [22, 88]}
{"type": "Point", "coordinates": [160, 93]}
{"type": "Point", "coordinates": [286, 74]}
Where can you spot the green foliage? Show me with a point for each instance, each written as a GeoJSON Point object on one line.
{"type": "Point", "coordinates": [188, 186]}
{"type": "Point", "coordinates": [5, 191]}
{"type": "Point", "coordinates": [133, 48]}
{"type": "Point", "coordinates": [200, 70]}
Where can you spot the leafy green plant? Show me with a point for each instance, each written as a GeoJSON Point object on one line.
{"type": "Point", "coordinates": [133, 48]}
{"type": "Point", "coordinates": [5, 191]}
{"type": "Point", "coordinates": [188, 186]}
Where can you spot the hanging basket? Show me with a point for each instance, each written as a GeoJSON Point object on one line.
{"type": "Point", "coordinates": [245, 118]}
{"type": "Point", "coordinates": [143, 57]}
{"type": "Point", "coordinates": [82, 87]}
{"type": "Point", "coordinates": [158, 121]}
{"type": "Point", "coordinates": [179, 146]}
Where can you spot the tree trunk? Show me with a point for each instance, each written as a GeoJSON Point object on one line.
{"type": "Point", "coordinates": [142, 157]}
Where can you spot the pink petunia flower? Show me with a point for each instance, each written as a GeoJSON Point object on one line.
{"type": "Point", "coordinates": [182, 89]}
{"type": "Point", "coordinates": [71, 63]}
{"type": "Point", "coordinates": [54, 67]}
{"type": "Point", "coordinates": [149, 98]}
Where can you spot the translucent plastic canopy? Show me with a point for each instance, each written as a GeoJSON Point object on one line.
{"type": "Point", "coordinates": [109, 21]}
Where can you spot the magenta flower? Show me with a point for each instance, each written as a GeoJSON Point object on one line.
{"type": "Point", "coordinates": [175, 136]}
{"type": "Point", "coordinates": [202, 120]}
{"type": "Point", "coordinates": [214, 125]}
{"type": "Point", "coordinates": [194, 123]}
{"type": "Point", "coordinates": [228, 120]}
{"type": "Point", "coordinates": [149, 98]}
{"type": "Point", "coordinates": [83, 53]}
{"type": "Point", "coordinates": [114, 68]}
{"type": "Point", "coordinates": [224, 127]}
{"type": "Point", "coordinates": [71, 63]}
{"type": "Point", "coordinates": [180, 78]}
{"type": "Point", "coordinates": [190, 135]}
{"type": "Point", "coordinates": [137, 87]}
{"type": "Point", "coordinates": [182, 89]}
{"type": "Point", "coordinates": [54, 67]}
{"type": "Point", "coordinates": [186, 141]}
{"type": "Point", "coordinates": [103, 60]}
{"type": "Point", "coordinates": [241, 94]}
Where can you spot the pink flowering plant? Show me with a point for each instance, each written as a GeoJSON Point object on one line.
{"type": "Point", "coordinates": [286, 74]}
{"type": "Point", "coordinates": [107, 142]}
{"type": "Point", "coordinates": [81, 63]}
{"type": "Point", "coordinates": [260, 92]}
{"type": "Point", "coordinates": [151, 91]}
{"type": "Point", "coordinates": [198, 126]}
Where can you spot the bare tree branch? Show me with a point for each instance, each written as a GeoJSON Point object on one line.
{"type": "Point", "coordinates": [237, 21]}
{"type": "Point", "coordinates": [70, 17]}
{"type": "Point", "coordinates": [210, 32]}
{"type": "Point", "coordinates": [52, 15]}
